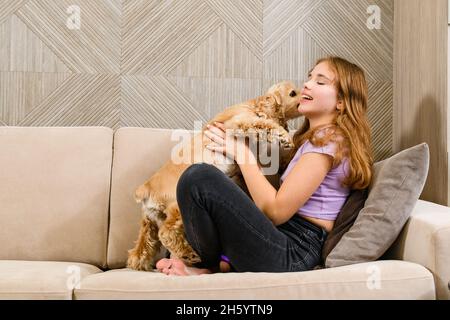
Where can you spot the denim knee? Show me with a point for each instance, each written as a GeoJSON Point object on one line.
{"type": "Point", "coordinates": [192, 174]}
{"type": "Point", "coordinates": [191, 178]}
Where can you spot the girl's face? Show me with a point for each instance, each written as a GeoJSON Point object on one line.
{"type": "Point", "coordinates": [319, 101]}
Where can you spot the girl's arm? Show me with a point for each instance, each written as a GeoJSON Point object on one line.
{"type": "Point", "coordinates": [279, 206]}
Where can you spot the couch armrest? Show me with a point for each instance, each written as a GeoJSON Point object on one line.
{"type": "Point", "coordinates": [425, 240]}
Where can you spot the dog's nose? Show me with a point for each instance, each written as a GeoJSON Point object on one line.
{"type": "Point", "coordinates": [293, 94]}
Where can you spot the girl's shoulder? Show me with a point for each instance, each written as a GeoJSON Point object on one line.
{"type": "Point", "coordinates": [331, 135]}
{"type": "Point", "coordinates": [332, 140]}
{"type": "Point", "coordinates": [309, 146]}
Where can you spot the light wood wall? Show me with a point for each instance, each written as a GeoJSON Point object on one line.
{"type": "Point", "coordinates": [168, 64]}
{"type": "Point", "coordinates": [420, 86]}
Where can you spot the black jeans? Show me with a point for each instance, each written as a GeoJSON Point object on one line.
{"type": "Point", "coordinates": [219, 218]}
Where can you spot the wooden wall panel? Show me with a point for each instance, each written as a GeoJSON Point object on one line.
{"type": "Point", "coordinates": [169, 63]}
{"type": "Point", "coordinates": [420, 86]}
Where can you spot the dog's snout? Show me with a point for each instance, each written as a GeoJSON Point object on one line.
{"type": "Point", "coordinates": [293, 93]}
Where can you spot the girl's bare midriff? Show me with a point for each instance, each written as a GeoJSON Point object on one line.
{"type": "Point", "coordinates": [325, 224]}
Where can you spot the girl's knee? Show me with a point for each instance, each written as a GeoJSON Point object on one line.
{"type": "Point", "coordinates": [198, 168]}
{"type": "Point", "coordinates": [193, 176]}
{"type": "Point", "coordinates": [196, 172]}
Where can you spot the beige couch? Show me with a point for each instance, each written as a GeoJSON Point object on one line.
{"type": "Point", "coordinates": [68, 217]}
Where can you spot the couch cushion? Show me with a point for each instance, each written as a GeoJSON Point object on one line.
{"type": "Point", "coordinates": [138, 153]}
{"type": "Point", "coordinates": [375, 280]}
{"type": "Point", "coordinates": [26, 280]}
{"type": "Point", "coordinates": [393, 193]}
{"type": "Point", "coordinates": [54, 193]}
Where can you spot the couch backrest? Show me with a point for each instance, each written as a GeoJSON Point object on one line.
{"type": "Point", "coordinates": [54, 193]}
{"type": "Point", "coordinates": [138, 153]}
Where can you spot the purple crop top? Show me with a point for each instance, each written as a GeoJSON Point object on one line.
{"type": "Point", "coordinates": [329, 198]}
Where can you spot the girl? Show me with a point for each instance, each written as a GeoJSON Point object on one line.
{"type": "Point", "coordinates": [281, 230]}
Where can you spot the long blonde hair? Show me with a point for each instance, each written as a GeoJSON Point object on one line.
{"type": "Point", "coordinates": [350, 129]}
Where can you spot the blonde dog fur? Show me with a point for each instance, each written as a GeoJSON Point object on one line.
{"type": "Point", "coordinates": [161, 223]}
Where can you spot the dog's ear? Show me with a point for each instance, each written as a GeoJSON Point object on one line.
{"type": "Point", "coordinates": [276, 90]}
{"type": "Point", "coordinates": [269, 101]}
{"type": "Point", "coordinates": [277, 97]}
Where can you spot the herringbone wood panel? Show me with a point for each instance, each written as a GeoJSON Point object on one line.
{"type": "Point", "coordinates": [226, 92]}
{"type": "Point", "coordinates": [21, 92]}
{"type": "Point", "coordinates": [165, 35]}
{"type": "Point", "coordinates": [380, 115]}
{"type": "Point", "coordinates": [8, 7]}
{"type": "Point", "coordinates": [82, 100]}
{"type": "Point", "coordinates": [222, 55]}
{"type": "Point", "coordinates": [22, 50]}
{"type": "Point", "coordinates": [169, 63]}
{"type": "Point", "coordinates": [245, 19]}
{"type": "Point", "coordinates": [156, 102]}
{"type": "Point", "coordinates": [342, 30]}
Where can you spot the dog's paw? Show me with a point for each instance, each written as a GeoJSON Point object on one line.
{"type": "Point", "coordinates": [138, 262]}
{"type": "Point", "coordinates": [241, 126]}
{"type": "Point", "coordinates": [191, 258]}
{"type": "Point", "coordinates": [183, 251]}
{"type": "Point", "coordinates": [248, 128]}
{"type": "Point", "coordinates": [282, 137]}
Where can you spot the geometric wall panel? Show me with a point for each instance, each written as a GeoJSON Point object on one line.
{"type": "Point", "coordinates": [155, 102]}
{"type": "Point", "coordinates": [212, 95]}
{"type": "Point", "coordinates": [82, 100]}
{"type": "Point", "coordinates": [380, 116]}
{"type": "Point", "coordinates": [340, 28]}
{"type": "Point", "coordinates": [8, 7]}
{"type": "Point", "coordinates": [245, 19]}
{"type": "Point", "coordinates": [293, 58]}
{"type": "Point", "coordinates": [168, 64]}
{"type": "Point", "coordinates": [21, 92]}
{"type": "Point", "coordinates": [222, 55]}
{"type": "Point", "coordinates": [167, 33]}
{"type": "Point", "coordinates": [95, 47]}
{"type": "Point", "coordinates": [282, 18]}
{"type": "Point", "coordinates": [22, 50]}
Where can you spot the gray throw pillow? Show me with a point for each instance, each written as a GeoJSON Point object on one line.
{"type": "Point", "coordinates": [396, 186]}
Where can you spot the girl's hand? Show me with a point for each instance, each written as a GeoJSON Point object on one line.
{"type": "Point", "coordinates": [223, 142]}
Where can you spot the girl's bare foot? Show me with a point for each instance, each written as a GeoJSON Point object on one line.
{"type": "Point", "coordinates": [178, 268]}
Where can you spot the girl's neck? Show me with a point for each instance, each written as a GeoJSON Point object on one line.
{"type": "Point", "coordinates": [316, 124]}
